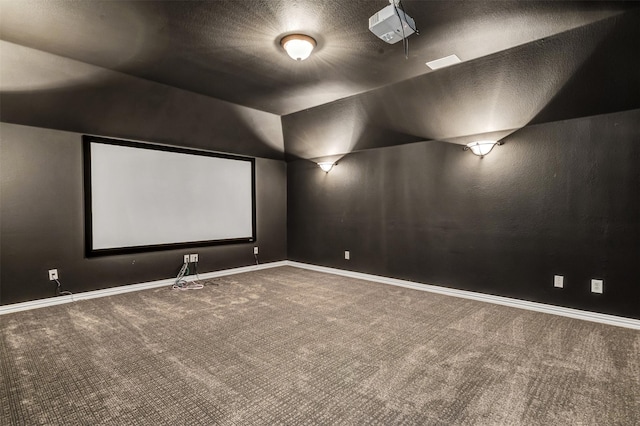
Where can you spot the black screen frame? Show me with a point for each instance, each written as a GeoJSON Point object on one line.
{"type": "Point", "coordinates": [87, 140]}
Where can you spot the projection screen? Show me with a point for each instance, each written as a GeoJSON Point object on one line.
{"type": "Point", "coordinates": [143, 197]}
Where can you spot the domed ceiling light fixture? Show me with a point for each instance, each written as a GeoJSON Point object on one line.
{"type": "Point", "coordinates": [298, 46]}
{"type": "Point", "coordinates": [481, 148]}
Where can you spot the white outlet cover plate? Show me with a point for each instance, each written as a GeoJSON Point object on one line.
{"type": "Point", "coordinates": [186, 258]}
{"type": "Point", "coordinates": [193, 258]}
{"type": "Point", "coordinates": [347, 255]}
{"type": "Point", "coordinates": [255, 250]}
{"type": "Point", "coordinates": [53, 274]}
{"type": "Point", "coordinates": [597, 286]}
{"type": "Point", "coordinates": [558, 281]}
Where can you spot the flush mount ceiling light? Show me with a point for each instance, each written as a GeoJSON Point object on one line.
{"type": "Point", "coordinates": [481, 148]}
{"type": "Point", "coordinates": [326, 165]}
{"type": "Point", "coordinates": [298, 46]}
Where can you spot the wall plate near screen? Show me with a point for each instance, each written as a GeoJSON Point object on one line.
{"type": "Point", "coordinates": [145, 197]}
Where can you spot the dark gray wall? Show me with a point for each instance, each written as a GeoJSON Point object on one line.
{"type": "Point", "coordinates": [42, 222]}
{"type": "Point", "coordinates": [557, 198]}
{"type": "Point", "coordinates": [45, 90]}
{"type": "Point", "coordinates": [584, 72]}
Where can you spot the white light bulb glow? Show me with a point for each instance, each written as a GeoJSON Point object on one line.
{"type": "Point", "coordinates": [326, 166]}
{"type": "Point", "coordinates": [481, 148]}
{"type": "Point", "coordinates": [298, 46]}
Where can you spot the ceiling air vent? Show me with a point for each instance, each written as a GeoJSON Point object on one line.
{"type": "Point", "coordinates": [443, 62]}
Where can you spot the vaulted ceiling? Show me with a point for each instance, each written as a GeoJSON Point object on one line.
{"type": "Point", "coordinates": [522, 61]}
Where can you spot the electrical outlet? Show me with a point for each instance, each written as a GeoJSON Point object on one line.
{"type": "Point", "coordinates": [193, 258]}
{"type": "Point", "coordinates": [186, 258]}
{"type": "Point", "coordinates": [597, 286]}
{"type": "Point", "coordinates": [53, 274]}
{"type": "Point", "coordinates": [347, 255]}
{"type": "Point", "coordinates": [255, 250]}
{"type": "Point", "coordinates": [558, 281]}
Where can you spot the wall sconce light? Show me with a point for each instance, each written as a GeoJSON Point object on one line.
{"type": "Point", "coordinates": [298, 46]}
{"type": "Point", "coordinates": [481, 148]}
{"type": "Point", "coordinates": [326, 165]}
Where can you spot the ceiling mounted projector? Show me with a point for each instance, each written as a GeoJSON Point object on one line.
{"type": "Point", "coordinates": [391, 24]}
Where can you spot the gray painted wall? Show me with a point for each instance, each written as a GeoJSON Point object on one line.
{"type": "Point", "coordinates": [556, 198]}
{"type": "Point", "coordinates": [42, 195]}
{"type": "Point", "coordinates": [560, 197]}
{"type": "Point", "coordinates": [50, 91]}
{"type": "Point", "coordinates": [42, 222]}
{"type": "Point", "coordinates": [584, 72]}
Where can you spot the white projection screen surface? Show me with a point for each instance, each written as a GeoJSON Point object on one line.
{"type": "Point", "coordinates": [145, 197]}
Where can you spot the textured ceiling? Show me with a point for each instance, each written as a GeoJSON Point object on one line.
{"type": "Point", "coordinates": [229, 49]}
{"type": "Point", "coordinates": [586, 71]}
{"type": "Point", "coordinates": [524, 62]}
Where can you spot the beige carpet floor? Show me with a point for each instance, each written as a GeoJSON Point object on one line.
{"type": "Point", "coordinates": [290, 346]}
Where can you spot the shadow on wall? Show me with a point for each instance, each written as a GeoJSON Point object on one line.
{"type": "Point", "coordinates": [83, 98]}
{"type": "Point", "coordinates": [43, 224]}
{"type": "Point", "coordinates": [555, 199]}
{"type": "Point", "coordinates": [607, 81]}
{"type": "Point", "coordinates": [501, 92]}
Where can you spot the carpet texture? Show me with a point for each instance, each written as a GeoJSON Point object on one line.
{"type": "Point", "coordinates": [292, 346]}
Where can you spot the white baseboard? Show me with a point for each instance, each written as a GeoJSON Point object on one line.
{"type": "Point", "coordinates": [499, 300]}
{"type": "Point", "coordinates": [41, 303]}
